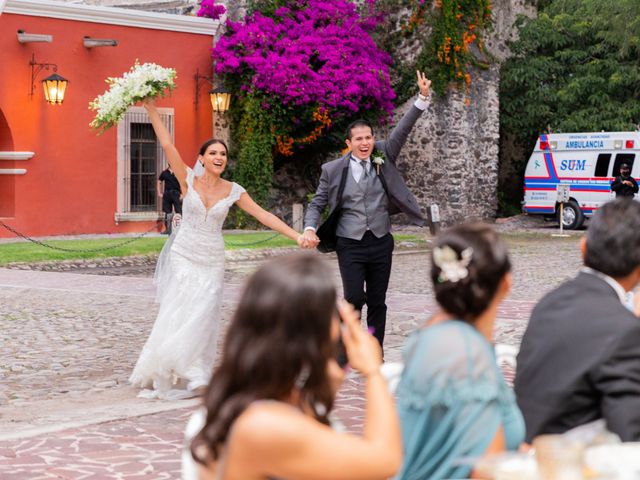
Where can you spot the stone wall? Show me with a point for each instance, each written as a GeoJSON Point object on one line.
{"type": "Point", "coordinates": [451, 157]}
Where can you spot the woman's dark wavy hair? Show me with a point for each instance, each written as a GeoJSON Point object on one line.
{"type": "Point", "coordinates": [470, 296]}
{"type": "Point", "coordinates": [280, 335]}
{"type": "Point", "coordinates": [212, 141]}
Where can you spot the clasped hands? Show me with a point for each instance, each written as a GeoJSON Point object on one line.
{"type": "Point", "coordinates": [308, 239]}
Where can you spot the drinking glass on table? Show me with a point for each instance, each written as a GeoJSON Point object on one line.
{"type": "Point", "coordinates": [558, 458]}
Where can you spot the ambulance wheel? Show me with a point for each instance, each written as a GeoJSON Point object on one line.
{"type": "Point", "coordinates": [572, 216]}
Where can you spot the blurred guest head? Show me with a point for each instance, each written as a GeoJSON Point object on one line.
{"type": "Point", "coordinates": [612, 242]}
{"type": "Point", "coordinates": [468, 263]}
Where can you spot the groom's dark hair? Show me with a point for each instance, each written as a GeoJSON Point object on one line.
{"type": "Point", "coordinates": [358, 123]}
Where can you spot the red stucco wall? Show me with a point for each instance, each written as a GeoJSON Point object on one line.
{"type": "Point", "coordinates": [70, 184]}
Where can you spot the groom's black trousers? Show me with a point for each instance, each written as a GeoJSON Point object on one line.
{"type": "Point", "coordinates": [365, 267]}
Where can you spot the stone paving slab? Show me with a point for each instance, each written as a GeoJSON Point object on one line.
{"type": "Point", "coordinates": [68, 343]}
{"type": "Point", "coordinates": [145, 446]}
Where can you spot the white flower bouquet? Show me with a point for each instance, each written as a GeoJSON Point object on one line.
{"type": "Point", "coordinates": [141, 81]}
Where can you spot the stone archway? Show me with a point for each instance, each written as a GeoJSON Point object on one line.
{"type": "Point", "coordinates": [7, 182]}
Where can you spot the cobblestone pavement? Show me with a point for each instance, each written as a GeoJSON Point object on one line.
{"type": "Point", "coordinates": [68, 342]}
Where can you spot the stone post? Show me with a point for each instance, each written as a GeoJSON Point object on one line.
{"type": "Point", "coordinates": [297, 217]}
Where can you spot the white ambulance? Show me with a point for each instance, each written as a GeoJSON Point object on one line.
{"type": "Point", "coordinates": [586, 162]}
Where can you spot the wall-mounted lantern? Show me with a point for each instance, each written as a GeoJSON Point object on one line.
{"type": "Point", "coordinates": [54, 88]}
{"type": "Point", "coordinates": [220, 99]}
{"type": "Point", "coordinates": [54, 85]}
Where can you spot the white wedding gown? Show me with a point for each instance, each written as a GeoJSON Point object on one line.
{"type": "Point", "coordinates": [179, 355]}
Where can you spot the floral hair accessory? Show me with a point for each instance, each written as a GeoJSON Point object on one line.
{"type": "Point", "coordinates": [452, 268]}
{"type": "Point", "coordinates": [377, 158]}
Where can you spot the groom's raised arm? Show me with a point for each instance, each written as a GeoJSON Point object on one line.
{"type": "Point", "coordinates": [400, 133]}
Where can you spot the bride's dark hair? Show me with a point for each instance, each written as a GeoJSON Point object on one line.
{"type": "Point", "coordinates": [212, 141]}
{"type": "Point", "coordinates": [279, 339]}
{"type": "Point", "coordinates": [470, 295]}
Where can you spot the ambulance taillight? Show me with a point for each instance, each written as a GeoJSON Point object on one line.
{"type": "Point", "coordinates": [628, 144]}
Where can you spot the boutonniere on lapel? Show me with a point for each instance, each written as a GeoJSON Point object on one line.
{"type": "Point", "coordinates": [377, 158]}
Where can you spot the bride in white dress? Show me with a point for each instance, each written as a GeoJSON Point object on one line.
{"type": "Point", "coordinates": [177, 359]}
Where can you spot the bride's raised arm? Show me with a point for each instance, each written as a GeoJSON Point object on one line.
{"type": "Point", "coordinates": [164, 137]}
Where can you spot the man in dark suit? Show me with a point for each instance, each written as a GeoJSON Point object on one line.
{"type": "Point", "coordinates": [624, 184]}
{"type": "Point", "coordinates": [373, 189]}
{"type": "Point", "coordinates": [169, 190]}
{"type": "Point", "coordinates": [580, 356]}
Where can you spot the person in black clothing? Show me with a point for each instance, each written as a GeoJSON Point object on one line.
{"type": "Point", "coordinates": [624, 184]}
{"type": "Point", "coordinates": [171, 197]}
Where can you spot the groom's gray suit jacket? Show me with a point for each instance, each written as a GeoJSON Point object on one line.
{"type": "Point", "coordinates": [400, 199]}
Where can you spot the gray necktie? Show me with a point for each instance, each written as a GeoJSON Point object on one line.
{"type": "Point", "coordinates": [365, 169]}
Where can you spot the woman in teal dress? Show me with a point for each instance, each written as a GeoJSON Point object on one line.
{"type": "Point", "coordinates": [453, 402]}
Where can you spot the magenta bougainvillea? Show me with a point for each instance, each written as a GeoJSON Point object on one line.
{"type": "Point", "coordinates": [312, 62]}
{"type": "Point", "coordinates": [208, 8]}
{"type": "Point", "coordinates": [314, 51]}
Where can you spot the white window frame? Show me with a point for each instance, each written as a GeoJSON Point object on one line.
{"type": "Point", "coordinates": [123, 207]}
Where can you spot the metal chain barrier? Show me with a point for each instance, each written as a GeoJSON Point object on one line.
{"type": "Point", "coordinates": [257, 242]}
{"type": "Point", "coordinates": [125, 242]}
{"type": "Point", "coordinates": [247, 244]}
{"type": "Point", "coordinates": [78, 250]}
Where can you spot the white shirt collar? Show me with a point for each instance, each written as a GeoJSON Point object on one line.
{"type": "Point", "coordinates": [620, 291]}
{"type": "Point", "coordinates": [358, 160]}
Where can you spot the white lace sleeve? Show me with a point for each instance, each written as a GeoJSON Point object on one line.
{"type": "Point", "coordinates": [190, 176]}
{"type": "Point", "coordinates": [236, 192]}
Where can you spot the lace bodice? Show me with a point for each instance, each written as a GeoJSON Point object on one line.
{"type": "Point", "coordinates": [196, 216]}
{"type": "Point", "coordinates": [200, 235]}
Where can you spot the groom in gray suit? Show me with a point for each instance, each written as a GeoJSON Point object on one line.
{"type": "Point", "coordinates": [372, 190]}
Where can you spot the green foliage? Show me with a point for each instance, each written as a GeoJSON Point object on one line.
{"type": "Point", "coordinates": [254, 167]}
{"type": "Point", "coordinates": [266, 7]}
{"type": "Point", "coordinates": [575, 69]}
{"type": "Point", "coordinates": [507, 207]}
{"type": "Point", "coordinates": [449, 35]}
